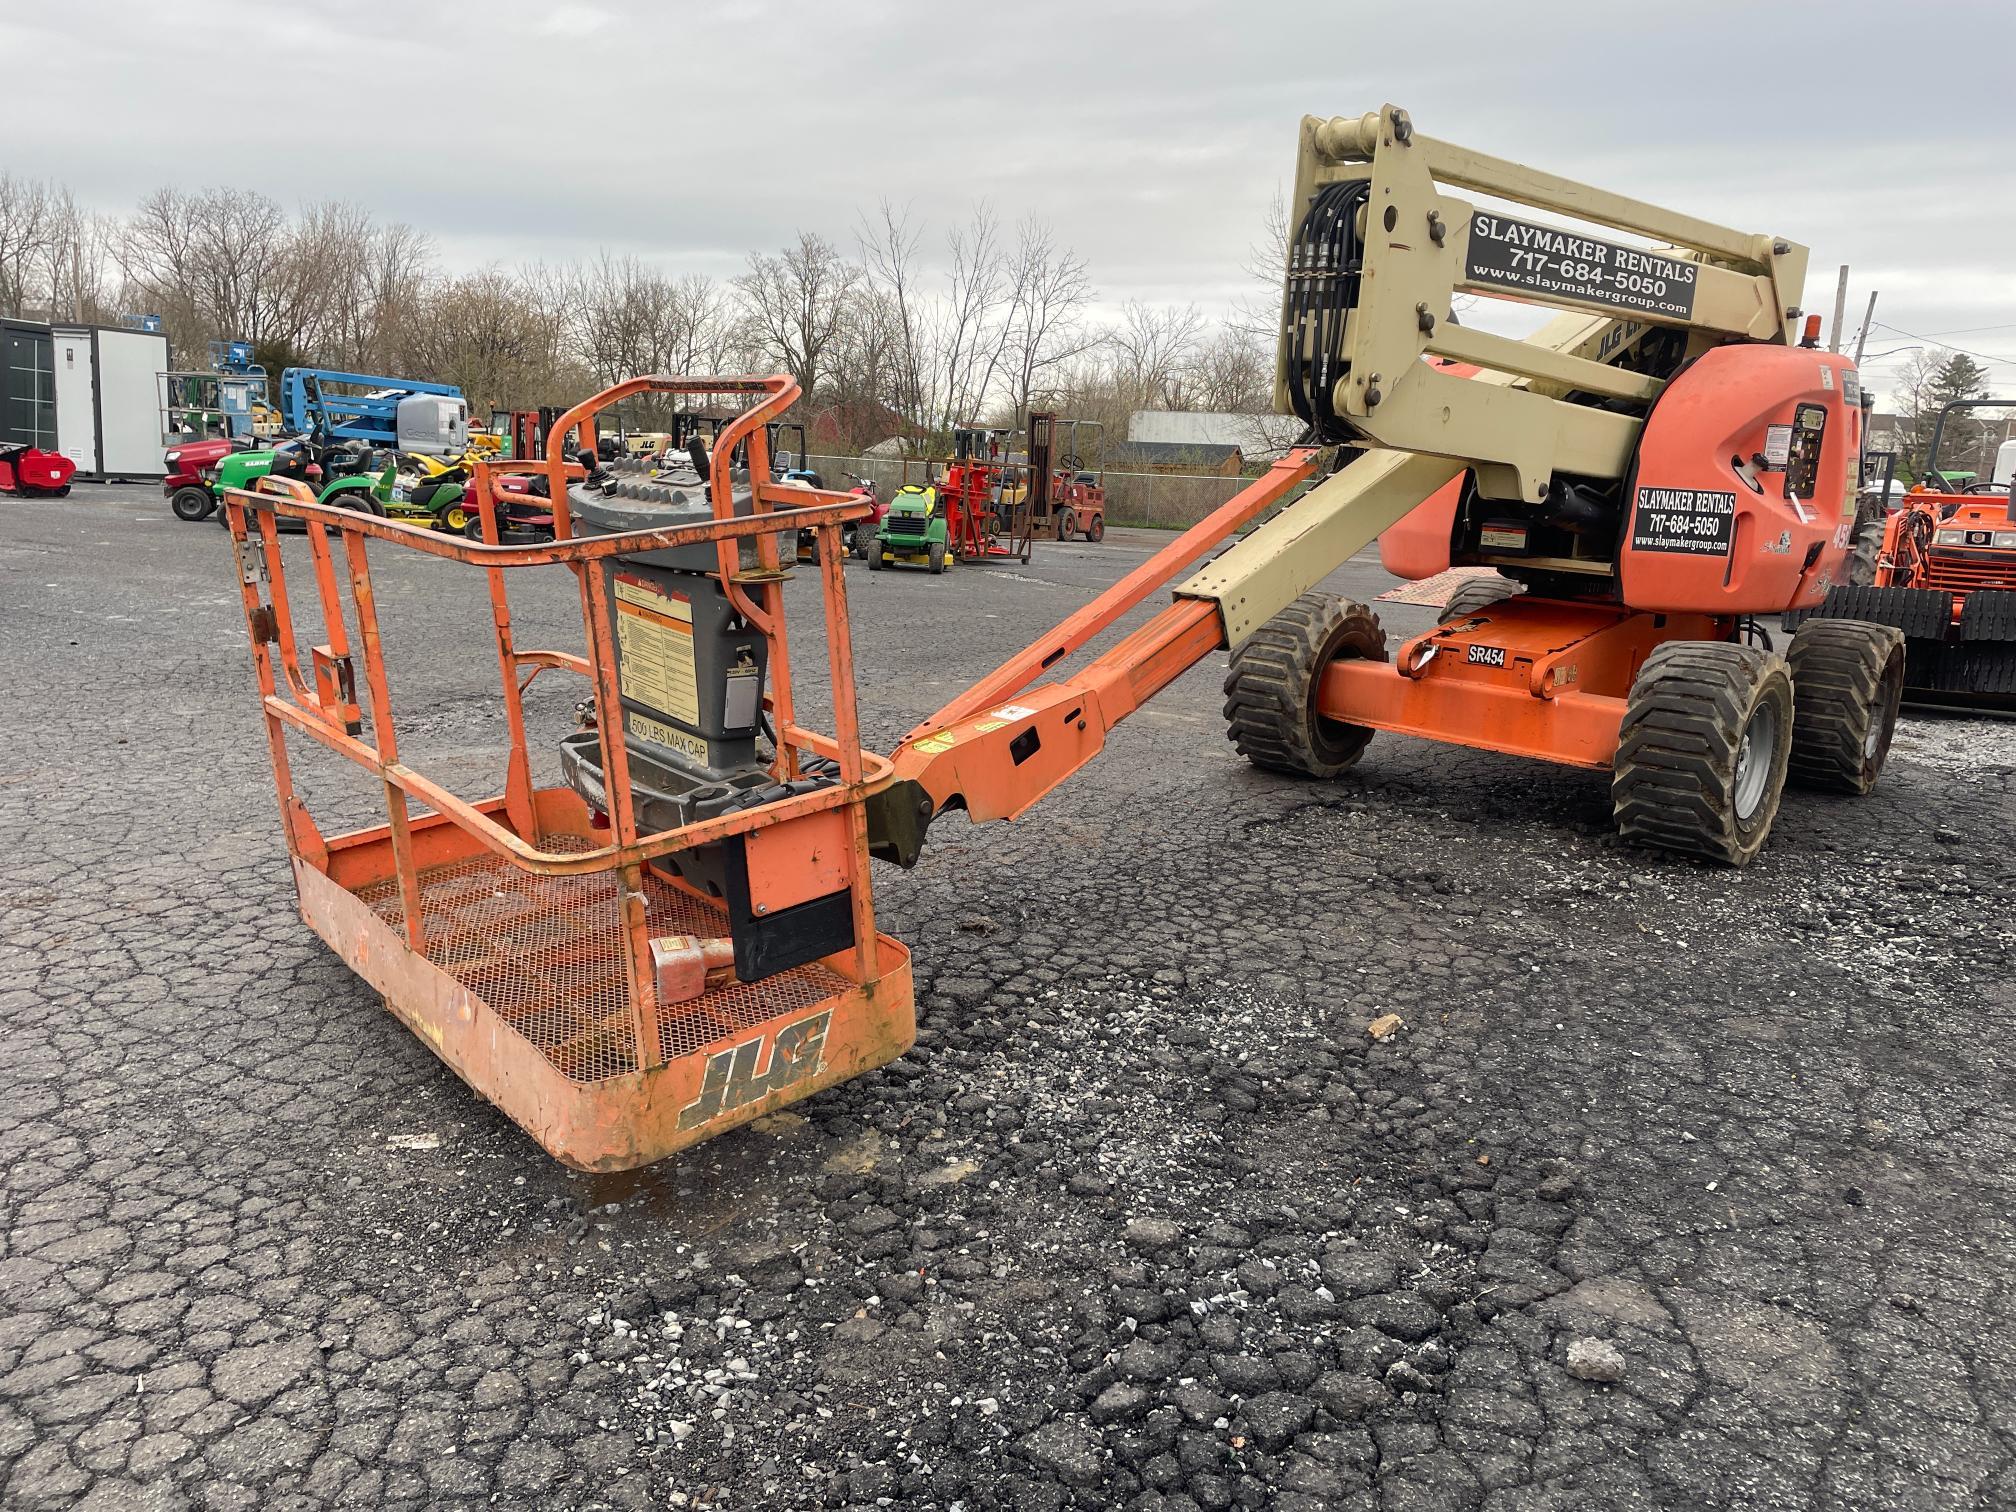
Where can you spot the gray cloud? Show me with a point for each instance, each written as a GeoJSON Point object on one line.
{"type": "Point", "coordinates": [1153, 135]}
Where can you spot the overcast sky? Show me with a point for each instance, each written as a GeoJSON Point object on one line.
{"type": "Point", "coordinates": [1151, 135]}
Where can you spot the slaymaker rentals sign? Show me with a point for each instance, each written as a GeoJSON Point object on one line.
{"type": "Point", "coordinates": [1520, 256]}
{"type": "Point", "coordinates": [1687, 521]}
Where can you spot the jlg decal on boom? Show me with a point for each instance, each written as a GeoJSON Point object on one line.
{"type": "Point", "coordinates": [732, 1080]}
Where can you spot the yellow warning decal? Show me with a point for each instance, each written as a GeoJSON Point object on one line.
{"type": "Point", "coordinates": [654, 648]}
{"type": "Point", "coordinates": [936, 745]}
{"type": "Point", "coordinates": [985, 725]}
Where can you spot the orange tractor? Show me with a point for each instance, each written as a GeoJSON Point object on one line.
{"type": "Point", "coordinates": [1944, 574]}
{"type": "Point", "coordinates": [679, 936]}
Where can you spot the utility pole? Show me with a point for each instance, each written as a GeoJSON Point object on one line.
{"type": "Point", "coordinates": [1862, 340]}
{"type": "Point", "coordinates": [1840, 310]}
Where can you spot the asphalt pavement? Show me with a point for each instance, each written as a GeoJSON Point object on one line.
{"type": "Point", "coordinates": [1675, 1187]}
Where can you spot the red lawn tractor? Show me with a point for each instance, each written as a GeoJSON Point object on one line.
{"type": "Point", "coordinates": [191, 484]}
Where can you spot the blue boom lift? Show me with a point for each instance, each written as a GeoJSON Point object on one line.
{"type": "Point", "coordinates": [402, 413]}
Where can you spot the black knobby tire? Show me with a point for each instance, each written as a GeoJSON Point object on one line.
{"type": "Point", "coordinates": [934, 556]}
{"type": "Point", "coordinates": [1702, 753]}
{"type": "Point", "coordinates": [1847, 683]}
{"type": "Point", "coordinates": [1096, 531]}
{"type": "Point", "coordinates": [1270, 693]}
{"type": "Point", "coordinates": [875, 553]}
{"type": "Point", "coordinates": [1064, 523]}
{"type": "Point", "coordinates": [1477, 593]}
{"type": "Point", "coordinates": [191, 503]}
{"type": "Point", "coordinates": [1866, 544]}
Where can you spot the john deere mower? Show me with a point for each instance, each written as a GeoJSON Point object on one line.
{"type": "Point", "coordinates": [912, 531]}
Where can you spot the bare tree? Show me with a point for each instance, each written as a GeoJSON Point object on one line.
{"type": "Point", "coordinates": [622, 307]}
{"type": "Point", "coordinates": [973, 332]}
{"type": "Point", "coordinates": [329, 252]}
{"type": "Point", "coordinates": [976, 331]}
{"type": "Point", "coordinates": [78, 262]}
{"type": "Point", "coordinates": [700, 333]}
{"type": "Point", "coordinates": [1153, 349]}
{"type": "Point", "coordinates": [393, 276]}
{"type": "Point", "coordinates": [499, 336]}
{"type": "Point", "coordinates": [229, 264]}
{"type": "Point", "coordinates": [25, 236]}
{"type": "Point", "coordinates": [1233, 373]}
{"type": "Point", "coordinates": [889, 248]}
{"type": "Point", "coordinates": [1048, 292]}
{"type": "Point", "coordinates": [796, 302]}
{"type": "Point", "coordinates": [1930, 379]}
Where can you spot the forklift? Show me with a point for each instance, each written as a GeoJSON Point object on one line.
{"type": "Point", "coordinates": [972, 507]}
{"type": "Point", "coordinates": [1065, 498]}
{"type": "Point", "coordinates": [679, 935]}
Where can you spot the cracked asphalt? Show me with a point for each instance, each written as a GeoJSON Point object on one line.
{"type": "Point", "coordinates": [1148, 1219]}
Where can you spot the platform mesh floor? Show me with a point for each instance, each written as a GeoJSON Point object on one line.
{"type": "Point", "coordinates": [546, 955]}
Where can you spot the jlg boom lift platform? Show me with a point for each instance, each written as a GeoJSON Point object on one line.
{"type": "Point", "coordinates": [681, 936]}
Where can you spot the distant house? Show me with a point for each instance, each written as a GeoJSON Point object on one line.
{"type": "Point", "coordinates": [1969, 443]}
{"type": "Point", "coordinates": [1261, 437]}
{"type": "Point", "coordinates": [1175, 457]}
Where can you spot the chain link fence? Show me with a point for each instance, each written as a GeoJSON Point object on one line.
{"type": "Point", "coordinates": [1166, 500]}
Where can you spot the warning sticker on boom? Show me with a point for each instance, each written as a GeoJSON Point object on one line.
{"type": "Point", "coordinates": [654, 648]}
{"type": "Point", "coordinates": [1690, 521]}
{"type": "Point", "coordinates": [1513, 254]}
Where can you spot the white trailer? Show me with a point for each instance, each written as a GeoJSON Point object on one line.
{"type": "Point", "coordinates": [108, 399]}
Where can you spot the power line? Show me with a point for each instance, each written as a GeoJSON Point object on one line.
{"type": "Point", "coordinates": [1915, 336]}
{"type": "Point", "coordinates": [1976, 330]}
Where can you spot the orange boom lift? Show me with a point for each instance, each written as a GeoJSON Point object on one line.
{"type": "Point", "coordinates": [681, 936]}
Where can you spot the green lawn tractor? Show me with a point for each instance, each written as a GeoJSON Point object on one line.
{"type": "Point", "coordinates": [912, 531]}
{"type": "Point", "coordinates": [339, 474]}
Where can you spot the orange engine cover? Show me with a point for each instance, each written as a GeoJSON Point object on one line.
{"type": "Point", "coordinates": [1743, 496]}
{"type": "Point", "coordinates": [1417, 544]}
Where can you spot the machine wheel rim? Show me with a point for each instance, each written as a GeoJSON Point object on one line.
{"type": "Point", "coordinates": [1756, 753]}
{"type": "Point", "coordinates": [458, 517]}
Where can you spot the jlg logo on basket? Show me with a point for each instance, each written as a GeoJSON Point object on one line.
{"type": "Point", "coordinates": [733, 1081]}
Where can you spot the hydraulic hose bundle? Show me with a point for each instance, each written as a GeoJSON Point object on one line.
{"type": "Point", "coordinates": [1324, 263]}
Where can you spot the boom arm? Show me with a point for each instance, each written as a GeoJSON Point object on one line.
{"type": "Point", "coordinates": [1379, 256]}
{"type": "Point", "coordinates": [372, 416]}
{"type": "Point", "coordinates": [997, 748]}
